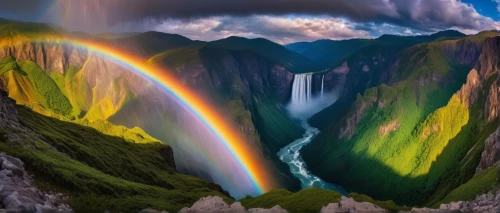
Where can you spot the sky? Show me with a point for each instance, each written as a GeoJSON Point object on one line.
{"type": "Point", "coordinates": [282, 21]}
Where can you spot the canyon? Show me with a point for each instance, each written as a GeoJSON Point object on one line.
{"type": "Point", "coordinates": [409, 120]}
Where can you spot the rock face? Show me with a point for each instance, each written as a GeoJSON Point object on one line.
{"type": "Point", "coordinates": [9, 121]}
{"type": "Point", "coordinates": [349, 205]}
{"type": "Point", "coordinates": [17, 193]}
{"type": "Point", "coordinates": [487, 203]}
{"type": "Point", "coordinates": [216, 204]}
{"type": "Point", "coordinates": [491, 153]}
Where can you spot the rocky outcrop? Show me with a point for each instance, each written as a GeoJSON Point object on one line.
{"type": "Point", "coordinates": [49, 56]}
{"type": "Point", "coordinates": [349, 127]}
{"type": "Point", "coordinates": [469, 93]}
{"type": "Point", "coordinates": [492, 106]}
{"type": "Point", "coordinates": [464, 51]}
{"type": "Point", "coordinates": [349, 205]}
{"type": "Point", "coordinates": [217, 205]}
{"type": "Point", "coordinates": [486, 203]}
{"type": "Point", "coordinates": [486, 66]}
{"type": "Point", "coordinates": [392, 126]}
{"type": "Point", "coordinates": [17, 193]}
{"type": "Point", "coordinates": [14, 132]}
{"type": "Point", "coordinates": [491, 153]}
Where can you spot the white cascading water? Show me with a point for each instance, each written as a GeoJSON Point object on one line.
{"type": "Point", "coordinates": [301, 89]}
{"type": "Point", "coordinates": [322, 85]}
{"type": "Point", "coordinates": [302, 106]}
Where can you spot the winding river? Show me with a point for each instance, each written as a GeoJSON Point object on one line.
{"type": "Point", "coordinates": [291, 156]}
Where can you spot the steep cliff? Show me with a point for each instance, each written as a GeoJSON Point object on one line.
{"type": "Point", "coordinates": [400, 141]}
{"type": "Point", "coordinates": [368, 63]}
{"type": "Point", "coordinates": [95, 171]}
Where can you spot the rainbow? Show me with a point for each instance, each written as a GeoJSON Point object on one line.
{"type": "Point", "coordinates": [252, 166]}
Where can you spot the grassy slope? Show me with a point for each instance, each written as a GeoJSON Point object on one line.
{"type": "Point", "coordinates": [309, 200]}
{"type": "Point", "coordinates": [402, 158]}
{"type": "Point", "coordinates": [105, 172]}
{"type": "Point", "coordinates": [480, 183]}
{"type": "Point", "coordinates": [30, 85]}
{"type": "Point", "coordinates": [378, 54]}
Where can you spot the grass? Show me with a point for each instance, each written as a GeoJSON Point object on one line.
{"type": "Point", "coordinates": [3, 135]}
{"type": "Point", "coordinates": [48, 89]}
{"type": "Point", "coordinates": [481, 183]}
{"type": "Point", "coordinates": [307, 200]}
{"type": "Point", "coordinates": [399, 165]}
{"type": "Point", "coordinates": [29, 85]}
{"type": "Point", "coordinates": [389, 205]}
{"type": "Point", "coordinates": [91, 190]}
{"type": "Point", "coordinates": [101, 172]}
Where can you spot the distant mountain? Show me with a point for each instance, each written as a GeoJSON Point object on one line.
{"type": "Point", "coordinates": [294, 62]}
{"type": "Point", "coordinates": [151, 43]}
{"type": "Point", "coordinates": [328, 53]}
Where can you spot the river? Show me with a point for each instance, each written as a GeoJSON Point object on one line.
{"type": "Point", "coordinates": [291, 156]}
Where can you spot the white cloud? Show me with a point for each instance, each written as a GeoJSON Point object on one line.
{"type": "Point", "coordinates": [277, 28]}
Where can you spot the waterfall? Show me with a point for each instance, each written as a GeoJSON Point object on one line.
{"type": "Point", "coordinates": [322, 85]}
{"type": "Point", "coordinates": [301, 89]}
{"type": "Point", "coordinates": [303, 104]}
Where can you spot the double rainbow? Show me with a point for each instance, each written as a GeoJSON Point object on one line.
{"type": "Point", "coordinates": [228, 137]}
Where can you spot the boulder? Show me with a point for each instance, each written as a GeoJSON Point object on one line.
{"type": "Point", "coordinates": [217, 205]}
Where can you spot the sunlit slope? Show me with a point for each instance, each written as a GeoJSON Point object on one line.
{"type": "Point", "coordinates": [369, 63]}
{"type": "Point", "coordinates": [101, 172]}
{"type": "Point", "coordinates": [29, 85]}
{"type": "Point", "coordinates": [398, 142]}
{"type": "Point", "coordinates": [98, 89]}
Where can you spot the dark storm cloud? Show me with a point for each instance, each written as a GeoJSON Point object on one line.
{"type": "Point", "coordinates": [420, 14]}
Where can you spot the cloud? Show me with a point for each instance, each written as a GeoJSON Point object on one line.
{"type": "Point", "coordinates": [276, 28]}
{"type": "Point", "coordinates": [426, 15]}
{"type": "Point", "coordinates": [279, 20]}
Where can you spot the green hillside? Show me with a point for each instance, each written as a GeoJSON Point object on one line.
{"type": "Point", "coordinates": [400, 141]}
{"type": "Point", "coordinates": [101, 172]}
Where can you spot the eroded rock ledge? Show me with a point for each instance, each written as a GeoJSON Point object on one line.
{"type": "Point", "coordinates": [17, 193]}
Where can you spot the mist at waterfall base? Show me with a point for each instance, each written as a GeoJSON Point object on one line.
{"type": "Point", "coordinates": [303, 103]}
{"type": "Point", "coordinates": [302, 106]}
